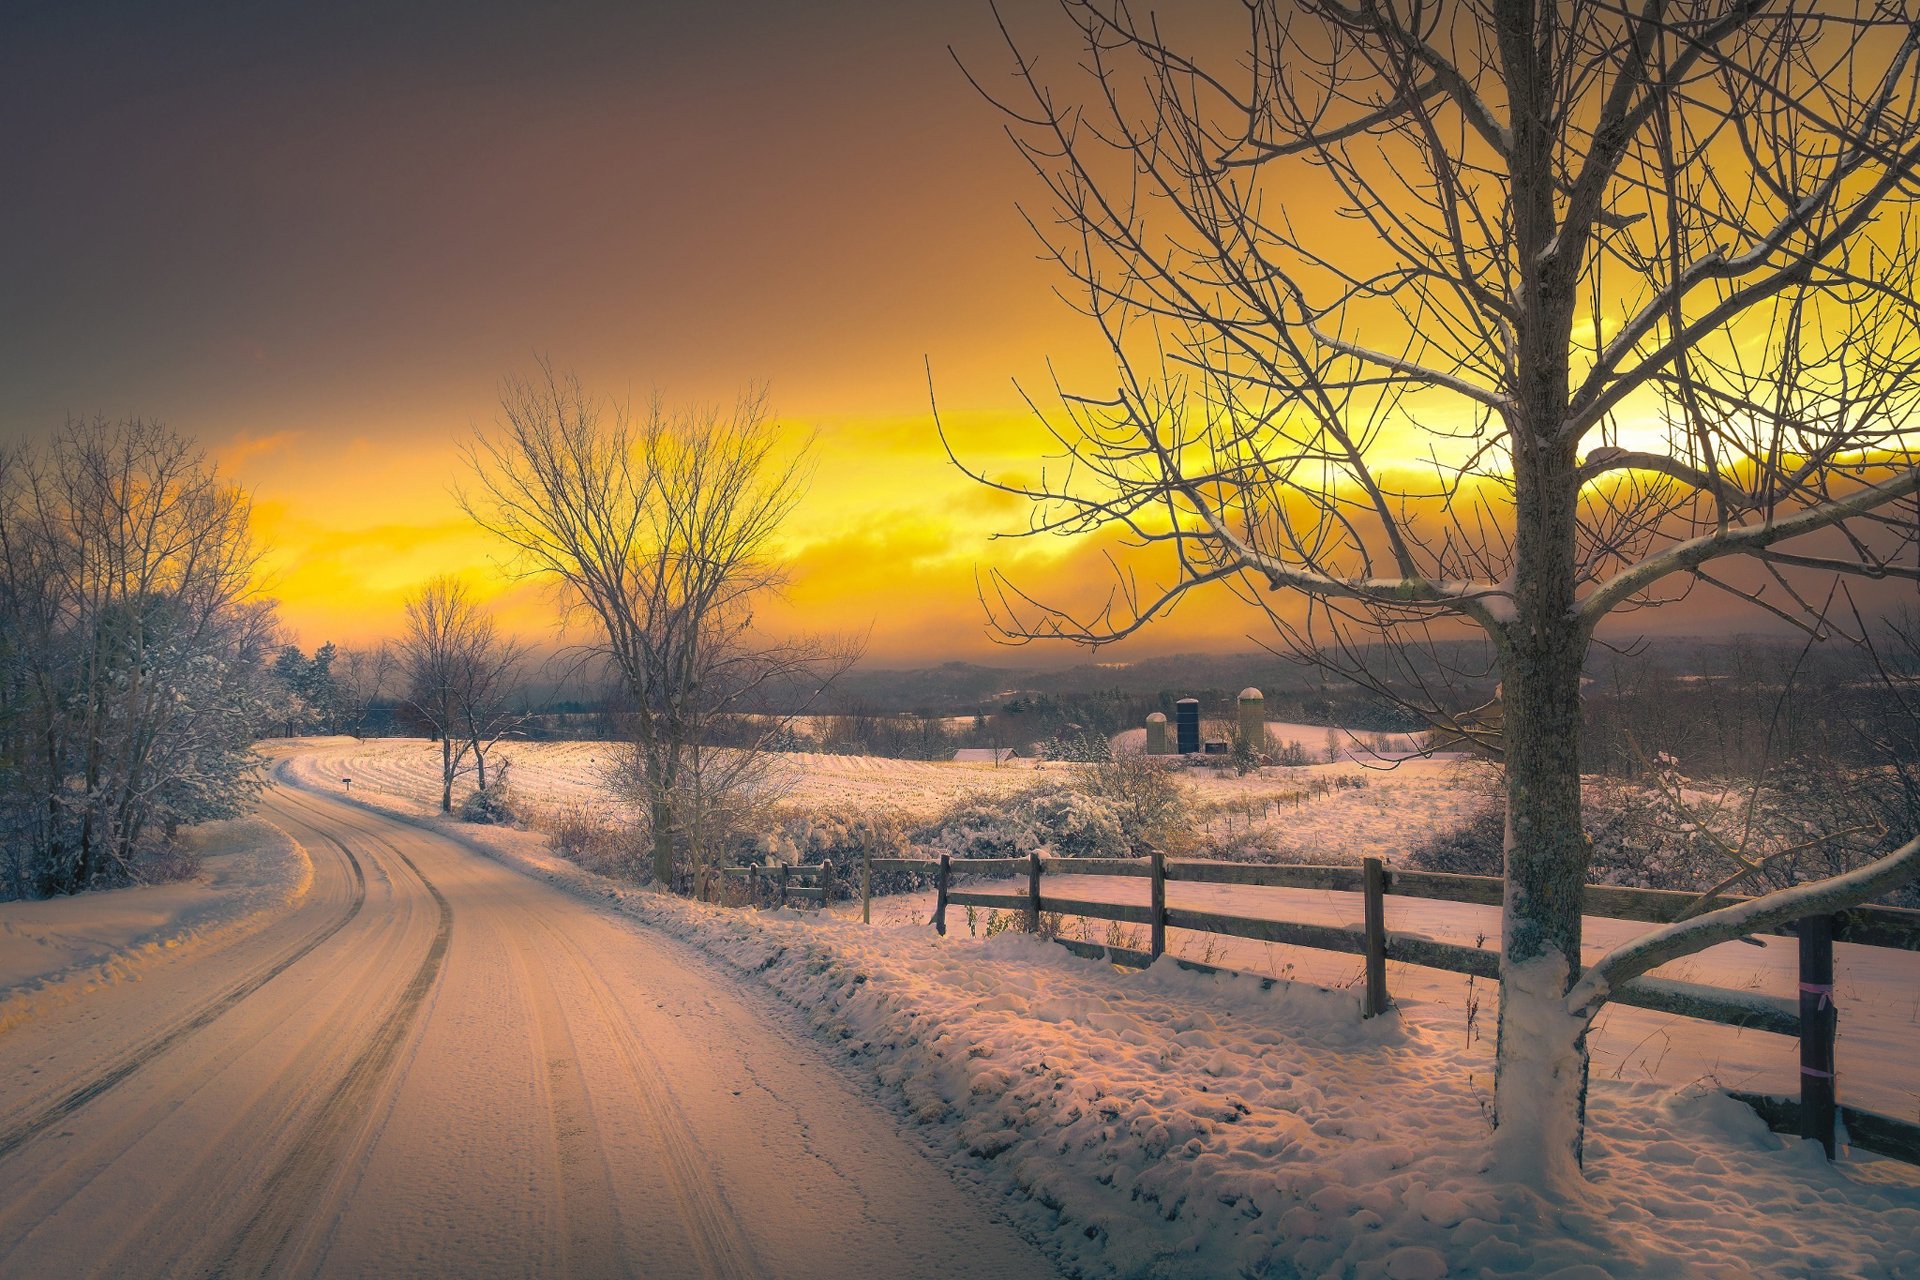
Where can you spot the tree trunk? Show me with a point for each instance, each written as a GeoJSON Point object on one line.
{"type": "Point", "coordinates": [663, 842]}
{"type": "Point", "coordinates": [446, 773]}
{"type": "Point", "coordinates": [1541, 1082]}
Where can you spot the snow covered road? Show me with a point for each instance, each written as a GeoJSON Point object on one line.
{"type": "Point", "coordinates": [432, 1065]}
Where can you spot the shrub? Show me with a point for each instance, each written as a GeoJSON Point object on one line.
{"type": "Point", "coordinates": [1147, 796]}
{"type": "Point", "coordinates": [1475, 849]}
{"type": "Point", "coordinates": [1047, 816]}
{"type": "Point", "coordinates": [165, 860]}
{"type": "Point", "coordinates": [492, 805]}
{"type": "Point", "coordinates": [842, 837]}
{"type": "Point", "coordinates": [593, 836]}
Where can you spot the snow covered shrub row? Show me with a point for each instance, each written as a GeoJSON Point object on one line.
{"type": "Point", "coordinates": [814, 835]}
{"type": "Point", "coordinates": [1669, 831]}
{"type": "Point", "coordinates": [1047, 816]}
{"type": "Point", "coordinates": [844, 837]}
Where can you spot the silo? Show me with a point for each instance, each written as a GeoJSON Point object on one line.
{"type": "Point", "coordinates": [1253, 719]}
{"type": "Point", "coordinates": [1157, 734]}
{"type": "Point", "coordinates": [1186, 724]}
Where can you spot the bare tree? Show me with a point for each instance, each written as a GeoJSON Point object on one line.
{"type": "Point", "coordinates": [459, 676]}
{"type": "Point", "coordinates": [1490, 315]}
{"type": "Point", "coordinates": [362, 679]}
{"type": "Point", "coordinates": [661, 530]}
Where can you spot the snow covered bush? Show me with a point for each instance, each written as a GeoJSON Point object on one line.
{"type": "Point", "coordinates": [1147, 795]}
{"type": "Point", "coordinates": [810, 836]}
{"type": "Point", "coordinates": [1050, 816]}
{"type": "Point", "coordinates": [1475, 849]}
{"type": "Point", "coordinates": [492, 805]}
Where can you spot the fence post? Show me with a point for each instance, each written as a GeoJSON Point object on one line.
{"type": "Point", "coordinates": [1374, 886]}
{"type": "Point", "coordinates": [753, 885]}
{"type": "Point", "coordinates": [1157, 930]}
{"type": "Point", "coordinates": [866, 886]}
{"type": "Point", "coordinates": [940, 895]}
{"type": "Point", "coordinates": [1818, 1018]}
{"type": "Point", "coordinates": [1033, 892]}
{"type": "Point", "coordinates": [785, 870]}
{"type": "Point", "coordinates": [826, 883]}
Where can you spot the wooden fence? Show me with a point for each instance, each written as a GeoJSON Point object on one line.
{"type": "Point", "coordinates": [812, 882]}
{"type": "Point", "coordinates": [1811, 1019]}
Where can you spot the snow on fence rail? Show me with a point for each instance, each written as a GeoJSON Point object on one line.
{"type": "Point", "coordinates": [808, 882]}
{"type": "Point", "coordinates": [1812, 1020]}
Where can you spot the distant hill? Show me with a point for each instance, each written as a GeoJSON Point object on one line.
{"type": "Point", "coordinates": [952, 688]}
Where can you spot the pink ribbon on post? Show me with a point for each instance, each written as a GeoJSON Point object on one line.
{"type": "Point", "coordinates": [1816, 1073]}
{"type": "Point", "coordinates": [1823, 990]}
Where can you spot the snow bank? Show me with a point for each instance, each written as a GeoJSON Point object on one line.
{"type": "Point", "coordinates": [57, 950]}
{"type": "Point", "coordinates": [1169, 1124]}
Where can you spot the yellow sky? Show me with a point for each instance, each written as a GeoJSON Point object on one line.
{"type": "Point", "coordinates": [318, 240]}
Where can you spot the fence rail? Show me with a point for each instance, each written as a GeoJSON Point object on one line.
{"type": "Point", "coordinates": [1812, 1019]}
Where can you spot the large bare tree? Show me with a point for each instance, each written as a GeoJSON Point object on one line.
{"type": "Point", "coordinates": [663, 531]}
{"type": "Point", "coordinates": [1441, 317]}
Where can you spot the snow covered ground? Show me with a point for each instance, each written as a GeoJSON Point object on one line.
{"type": "Point", "coordinates": [1168, 1124]}
{"type": "Point", "coordinates": [1877, 989]}
{"type": "Point", "coordinates": [434, 1066]}
{"type": "Point", "coordinates": [57, 950]}
{"type": "Point", "coordinates": [1286, 812]}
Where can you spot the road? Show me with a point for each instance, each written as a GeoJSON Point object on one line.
{"type": "Point", "coordinates": [436, 1066]}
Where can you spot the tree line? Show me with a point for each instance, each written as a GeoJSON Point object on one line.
{"type": "Point", "coordinates": [133, 653]}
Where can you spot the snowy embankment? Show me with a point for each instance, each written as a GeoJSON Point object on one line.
{"type": "Point", "coordinates": [1168, 1124]}
{"type": "Point", "coordinates": [56, 950]}
{"type": "Point", "coordinates": [1877, 988]}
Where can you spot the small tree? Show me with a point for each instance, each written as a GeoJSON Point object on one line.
{"type": "Point", "coordinates": [663, 531]}
{"type": "Point", "coordinates": [363, 676]}
{"type": "Point", "coordinates": [1493, 316]}
{"type": "Point", "coordinates": [458, 674]}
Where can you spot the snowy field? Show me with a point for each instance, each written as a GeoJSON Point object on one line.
{"type": "Point", "coordinates": [1276, 810]}
{"type": "Point", "coordinates": [1168, 1124]}
{"type": "Point", "coordinates": [56, 950]}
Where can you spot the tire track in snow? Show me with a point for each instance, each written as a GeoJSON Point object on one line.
{"type": "Point", "coordinates": [290, 1192]}
{"type": "Point", "coordinates": [719, 1245]}
{"type": "Point", "coordinates": [25, 1131]}
{"type": "Point", "coordinates": [591, 1242]}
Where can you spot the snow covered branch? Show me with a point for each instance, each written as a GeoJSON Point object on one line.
{"type": "Point", "coordinates": [1685, 937]}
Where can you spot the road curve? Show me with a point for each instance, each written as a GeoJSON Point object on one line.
{"type": "Point", "coordinates": [436, 1066]}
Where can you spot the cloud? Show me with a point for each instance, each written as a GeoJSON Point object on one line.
{"type": "Point", "coordinates": [247, 447]}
